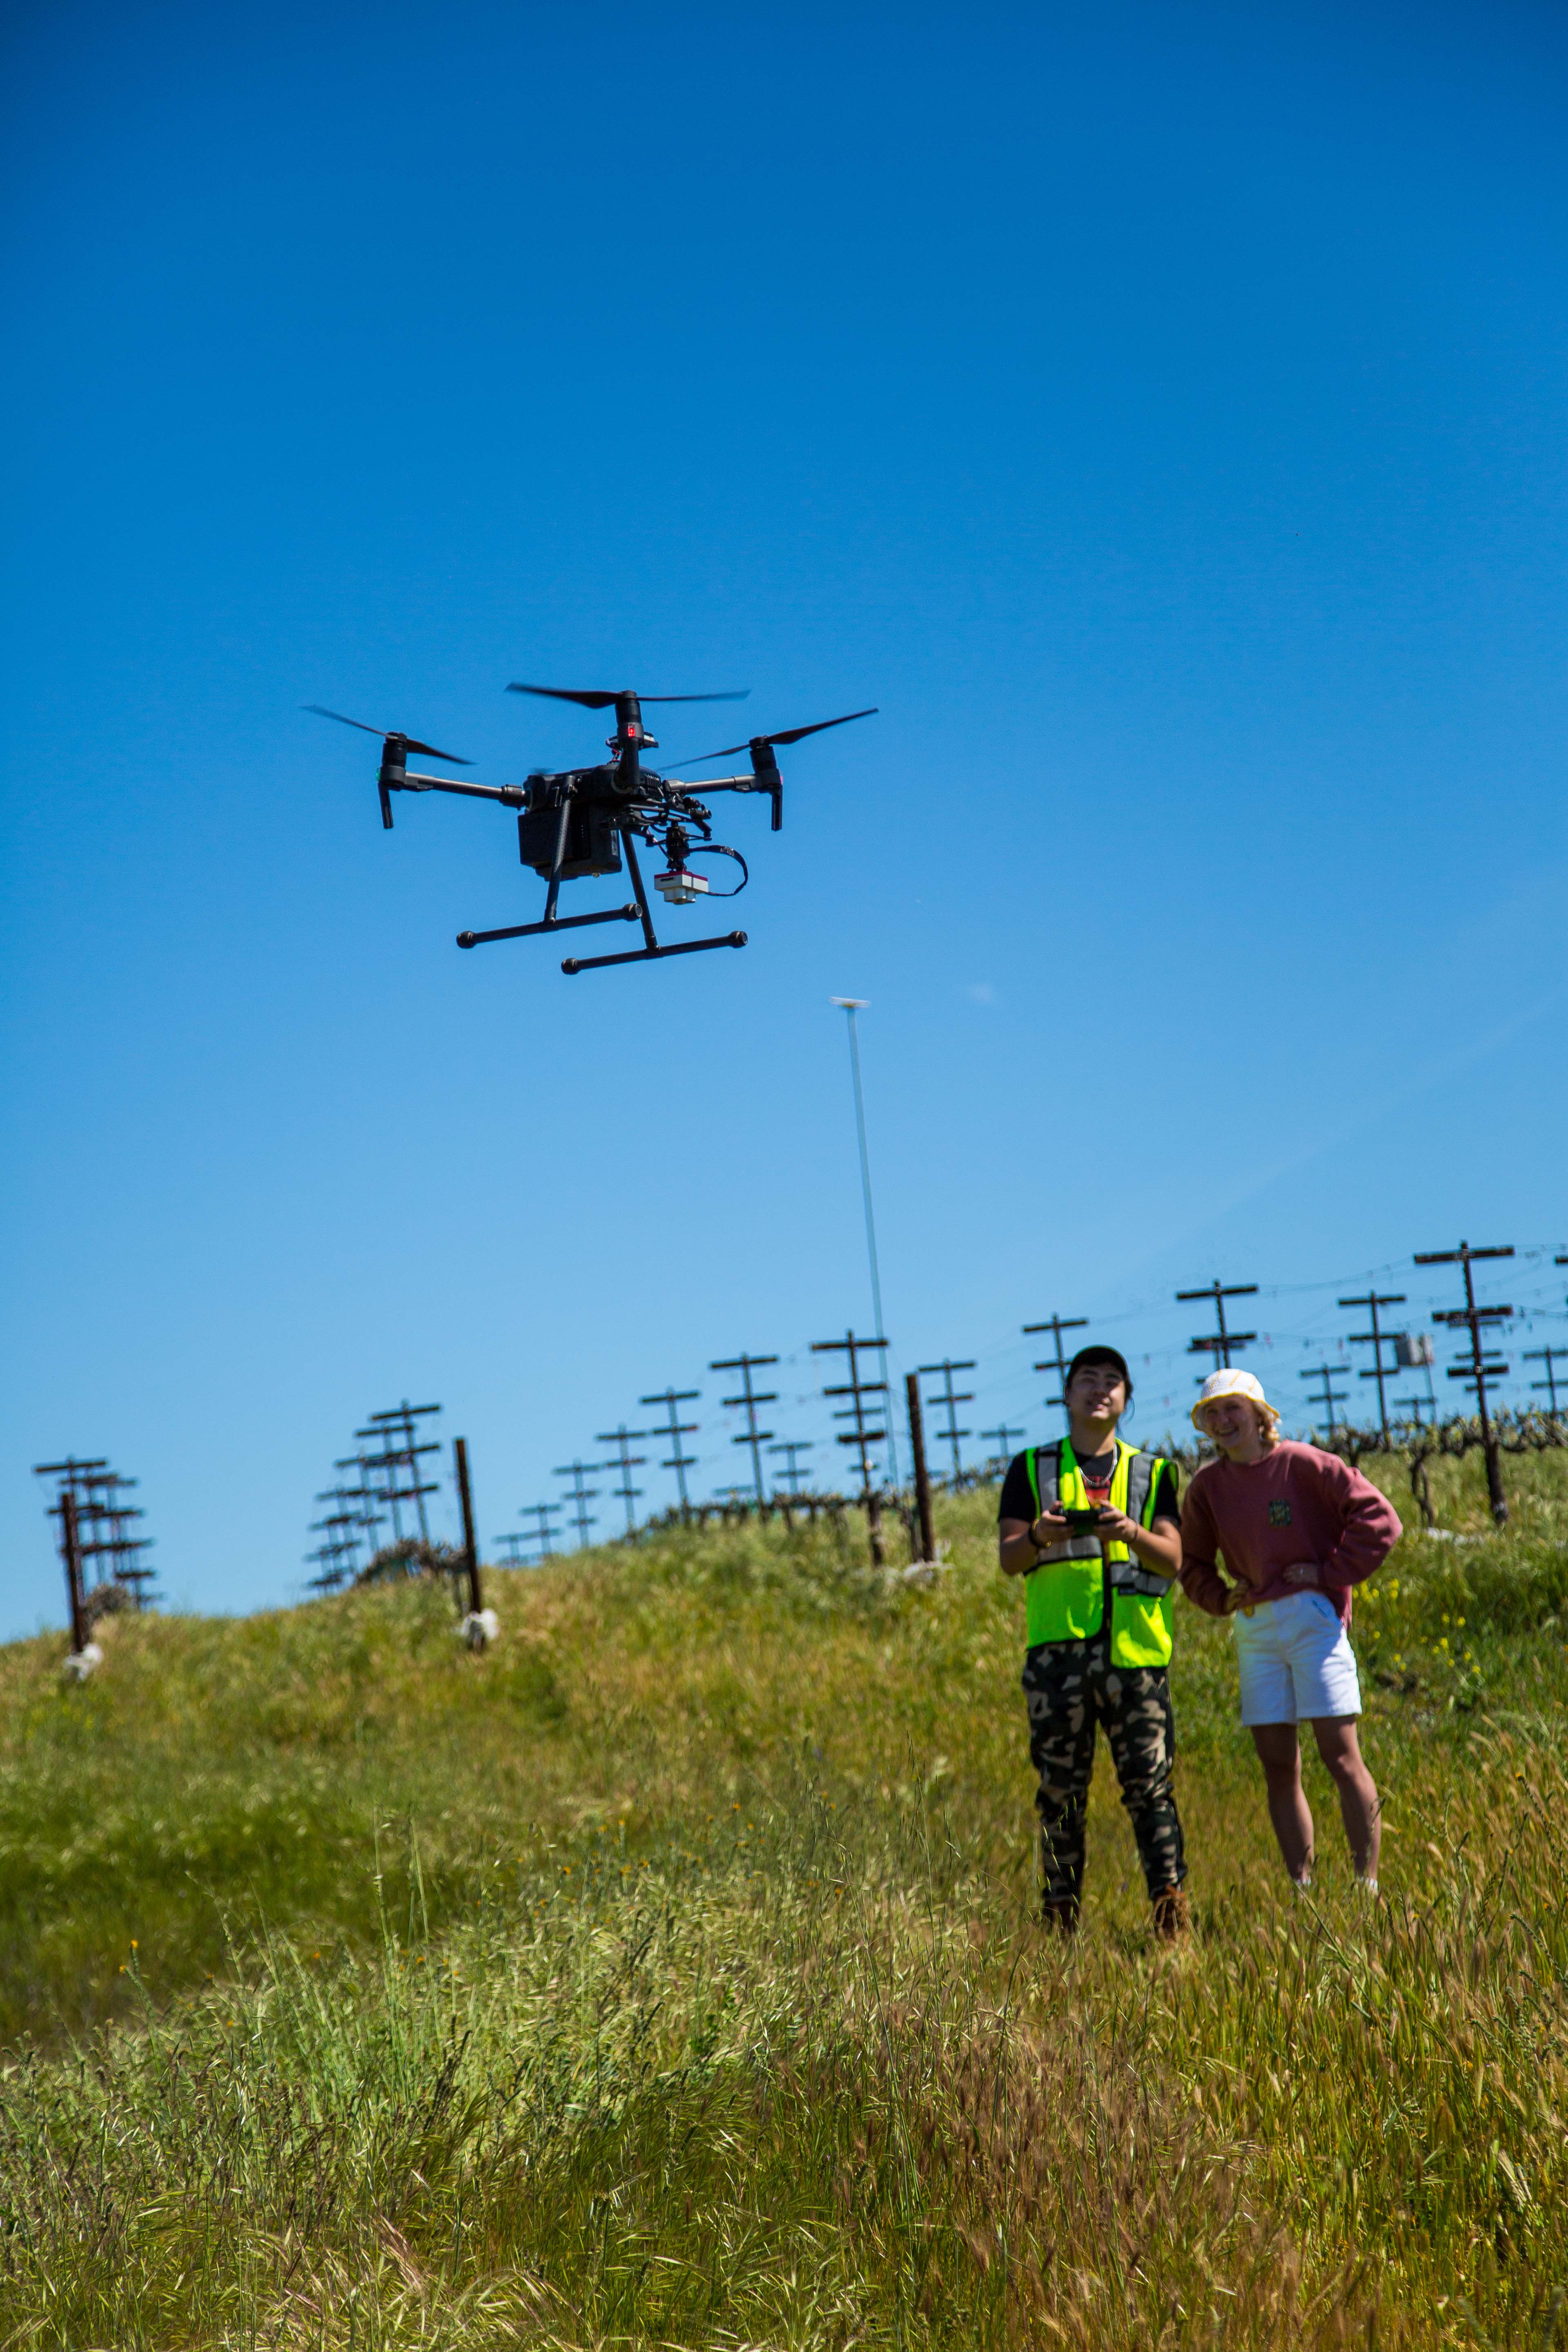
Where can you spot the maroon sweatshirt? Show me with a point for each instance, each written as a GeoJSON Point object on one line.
{"type": "Point", "coordinates": [1294, 1504]}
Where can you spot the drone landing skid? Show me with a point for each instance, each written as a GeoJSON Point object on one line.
{"type": "Point", "coordinates": [554, 923]}
{"type": "Point", "coordinates": [649, 955]}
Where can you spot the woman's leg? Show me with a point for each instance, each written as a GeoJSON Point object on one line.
{"type": "Point", "coordinates": [1279, 1753]}
{"type": "Point", "coordinates": [1360, 1809]}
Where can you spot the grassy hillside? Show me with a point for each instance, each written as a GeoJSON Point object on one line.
{"type": "Point", "coordinates": [667, 1975]}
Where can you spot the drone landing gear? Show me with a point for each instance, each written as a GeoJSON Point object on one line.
{"type": "Point", "coordinates": [651, 955]}
{"type": "Point", "coordinates": [553, 923]}
{"type": "Point", "coordinates": [652, 952]}
{"type": "Point", "coordinates": [636, 912]}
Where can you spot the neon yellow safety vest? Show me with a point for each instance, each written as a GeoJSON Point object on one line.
{"type": "Point", "coordinates": [1066, 1594]}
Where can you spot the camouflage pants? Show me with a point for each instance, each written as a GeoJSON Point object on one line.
{"type": "Point", "coordinates": [1070, 1687]}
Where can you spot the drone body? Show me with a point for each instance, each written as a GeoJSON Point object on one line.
{"type": "Point", "coordinates": [581, 821]}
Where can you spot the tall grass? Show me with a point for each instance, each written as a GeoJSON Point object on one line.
{"type": "Point", "coordinates": [667, 1976]}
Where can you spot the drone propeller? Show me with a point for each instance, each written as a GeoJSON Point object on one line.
{"type": "Point", "coordinates": [597, 701]}
{"type": "Point", "coordinates": [387, 734]}
{"type": "Point", "coordinates": [788, 735]}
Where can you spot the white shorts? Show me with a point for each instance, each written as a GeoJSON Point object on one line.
{"type": "Point", "coordinates": [1296, 1660]}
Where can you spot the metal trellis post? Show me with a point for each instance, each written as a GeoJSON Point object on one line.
{"type": "Point", "coordinates": [624, 1439]}
{"type": "Point", "coordinates": [1372, 1300]}
{"type": "Point", "coordinates": [862, 1436]}
{"type": "Point", "coordinates": [750, 1399]}
{"type": "Point", "coordinates": [1329, 1399]}
{"type": "Point", "coordinates": [675, 1428]}
{"type": "Point", "coordinates": [950, 1400]}
{"type": "Point", "coordinates": [1480, 1367]}
{"type": "Point", "coordinates": [1057, 1363]}
{"type": "Point", "coordinates": [1219, 1344]}
{"type": "Point", "coordinates": [581, 1496]}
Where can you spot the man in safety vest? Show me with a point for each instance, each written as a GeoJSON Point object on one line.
{"type": "Point", "coordinates": [1093, 1526]}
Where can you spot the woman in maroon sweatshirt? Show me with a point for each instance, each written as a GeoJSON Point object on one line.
{"type": "Point", "coordinates": [1298, 1528]}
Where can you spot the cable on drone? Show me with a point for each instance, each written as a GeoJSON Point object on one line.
{"type": "Point", "coordinates": [717, 849]}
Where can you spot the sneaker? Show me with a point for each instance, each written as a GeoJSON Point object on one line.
{"type": "Point", "coordinates": [1062, 1918]}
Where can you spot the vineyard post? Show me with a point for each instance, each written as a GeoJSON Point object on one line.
{"type": "Point", "coordinates": [1371, 1301]}
{"type": "Point", "coordinates": [70, 1546]}
{"type": "Point", "coordinates": [675, 1428]}
{"type": "Point", "coordinates": [750, 1399]}
{"type": "Point", "coordinates": [1057, 1325]}
{"type": "Point", "coordinates": [581, 1496]}
{"type": "Point", "coordinates": [950, 1400]}
{"type": "Point", "coordinates": [1479, 1369]}
{"type": "Point", "coordinates": [624, 1439]}
{"type": "Point", "coordinates": [1218, 1344]}
{"type": "Point", "coordinates": [391, 1458]}
{"type": "Point", "coordinates": [470, 1547]}
{"type": "Point", "coordinates": [543, 1535]}
{"type": "Point", "coordinates": [1325, 1372]}
{"type": "Point", "coordinates": [1549, 1357]}
{"type": "Point", "coordinates": [923, 1481]}
{"type": "Point", "coordinates": [1004, 1436]}
{"type": "Point", "coordinates": [863, 1437]}
{"type": "Point", "coordinates": [792, 1446]}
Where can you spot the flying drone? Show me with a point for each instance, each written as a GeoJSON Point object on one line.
{"type": "Point", "coordinates": [580, 821]}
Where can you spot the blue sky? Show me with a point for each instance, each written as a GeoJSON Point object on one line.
{"type": "Point", "coordinates": [1158, 418]}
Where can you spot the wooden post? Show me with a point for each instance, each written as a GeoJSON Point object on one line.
{"type": "Point", "coordinates": [470, 1548]}
{"type": "Point", "coordinates": [71, 1545]}
{"type": "Point", "coordinates": [922, 1480]}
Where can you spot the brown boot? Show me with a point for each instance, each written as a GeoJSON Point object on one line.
{"type": "Point", "coordinates": [1171, 1919]}
{"type": "Point", "coordinates": [1062, 1918]}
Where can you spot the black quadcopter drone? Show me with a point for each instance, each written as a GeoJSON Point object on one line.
{"type": "Point", "coordinates": [576, 823]}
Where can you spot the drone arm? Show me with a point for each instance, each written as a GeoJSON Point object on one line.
{"type": "Point", "coordinates": [509, 796]}
{"type": "Point", "coordinates": [772, 785]}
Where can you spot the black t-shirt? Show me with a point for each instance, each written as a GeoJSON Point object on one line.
{"type": "Point", "coordinates": [1018, 1496]}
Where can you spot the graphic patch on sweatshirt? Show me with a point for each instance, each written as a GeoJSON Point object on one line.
{"type": "Point", "coordinates": [1279, 1515]}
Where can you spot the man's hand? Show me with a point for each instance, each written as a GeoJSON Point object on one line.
{"type": "Point", "coordinates": [1023, 1540]}
{"type": "Point", "coordinates": [1158, 1547]}
{"type": "Point", "coordinates": [1115, 1527]}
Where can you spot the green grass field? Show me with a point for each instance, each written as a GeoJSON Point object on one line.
{"type": "Point", "coordinates": [667, 1975]}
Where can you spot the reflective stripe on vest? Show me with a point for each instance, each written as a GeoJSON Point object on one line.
{"type": "Point", "coordinates": [1064, 1595]}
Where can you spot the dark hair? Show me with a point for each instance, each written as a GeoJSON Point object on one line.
{"type": "Point", "coordinates": [1099, 1355]}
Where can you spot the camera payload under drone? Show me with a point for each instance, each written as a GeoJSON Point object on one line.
{"type": "Point", "coordinates": [579, 822]}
